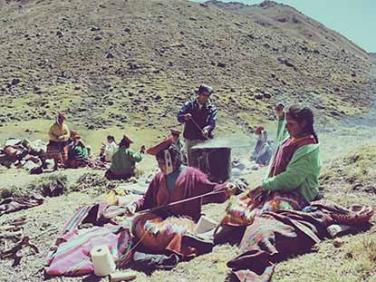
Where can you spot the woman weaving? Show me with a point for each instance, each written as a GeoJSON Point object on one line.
{"type": "Point", "coordinates": [167, 230]}
{"type": "Point", "coordinates": [292, 181]}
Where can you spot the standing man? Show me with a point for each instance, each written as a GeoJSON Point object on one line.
{"type": "Point", "coordinates": [199, 116]}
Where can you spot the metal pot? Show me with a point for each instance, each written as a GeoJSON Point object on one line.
{"type": "Point", "coordinates": [213, 161]}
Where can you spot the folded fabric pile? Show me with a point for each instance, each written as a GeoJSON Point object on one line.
{"type": "Point", "coordinates": [22, 153]}
{"type": "Point", "coordinates": [273, 236]}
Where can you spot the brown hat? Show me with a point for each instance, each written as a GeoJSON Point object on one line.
{"type": "Point", "coordinates": [167, 142]}
{"type": "Point", "coordinates": [259, 129]}
{"type": "Point", "coordinates": [125, 140]}
{"type": "Point", "coordinates": [175, 131]}
{"type": "Point", "coordinates": [74, 135]}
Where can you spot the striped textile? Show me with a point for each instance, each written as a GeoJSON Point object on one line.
{"type": "Point", "coordinates": [242, 211]}
{"type": "Point", "coordinates": [70, 256]}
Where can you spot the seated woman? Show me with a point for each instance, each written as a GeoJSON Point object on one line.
{"type": "Point", "coordinates": [78, 153]}
{"type": "Point", "coordinates": [166, 230]}
{"type": "Point", "coordinates": [263, 150]}
{"type": "Point", "coordinates": [124, 161]}
{"type": "Point", "coordinates": [292, 181]}
{"type": "Point", "coordinates": [108, 149]}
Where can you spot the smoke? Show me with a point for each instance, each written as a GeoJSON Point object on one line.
{"type": "Point", "coordinates": [226, 142]}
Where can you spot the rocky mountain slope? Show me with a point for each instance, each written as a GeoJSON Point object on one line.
{"type": "Point", "coordinates": [287, 20]}
{"type": "Point", "coordinates": [134, 62]}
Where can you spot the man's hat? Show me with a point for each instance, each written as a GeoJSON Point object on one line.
{"type": "Point", "coordinates": [167, 142]}
{"type": "Point", "coordinates": [203, 88]}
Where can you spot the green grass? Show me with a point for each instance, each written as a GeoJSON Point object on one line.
{"type": "Point", "coordinates": [354, 260]}
{"type": "Point", "coordinates": [356, 170]}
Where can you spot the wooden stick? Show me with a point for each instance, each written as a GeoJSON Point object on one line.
{"type": "Point", "coordinates": [123, 210]}
{"type": "Point", "coordinates": [181, 201]}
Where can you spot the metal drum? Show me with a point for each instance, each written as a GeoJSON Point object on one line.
{"type": "Point", "coordinates": [215, 162]}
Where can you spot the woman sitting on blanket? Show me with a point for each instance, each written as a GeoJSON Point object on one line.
{"type": "Point", "coordinates": [78, 152]}
{"type": "Point", "coordinates": [167, 230]}
{"type": "Point", "coordinates": [292, 181]}
{"type": "Point", "coordinates": [123, 161]}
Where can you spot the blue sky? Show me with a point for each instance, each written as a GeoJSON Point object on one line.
{"type": "Point", "coordinates": [355, 19]}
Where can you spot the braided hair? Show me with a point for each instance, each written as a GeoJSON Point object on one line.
{"type": "Point", "coordinates": [301, 114]}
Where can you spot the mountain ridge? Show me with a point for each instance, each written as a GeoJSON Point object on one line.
{"type": "Point", "coordinates": [110, 63]}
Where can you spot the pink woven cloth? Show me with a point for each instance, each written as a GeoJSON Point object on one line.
{"type": "Point", "coordinates": [70, 256]}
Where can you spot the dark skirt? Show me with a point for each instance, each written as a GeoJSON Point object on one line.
{"type": "Point", "coordinates": [57, 151]}
{"type": "Point", "coordinates": [76, 163]}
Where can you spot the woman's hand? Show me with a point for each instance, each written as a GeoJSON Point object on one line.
{"type": "Point", "coordinates": [130, 209]}
{"type": "Point", "coordinates": [142, 149]}
{"type": "Point", "coordinates": [231, 188]}
{"type": "Point", "coordinates": [256, 193]}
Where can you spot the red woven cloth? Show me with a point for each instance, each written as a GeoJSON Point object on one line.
{"type": "Point", "coordinates": [274, 236]}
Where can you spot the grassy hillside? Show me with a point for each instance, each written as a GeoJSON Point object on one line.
{"type": "Point", "coordinates": [133, 63]}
